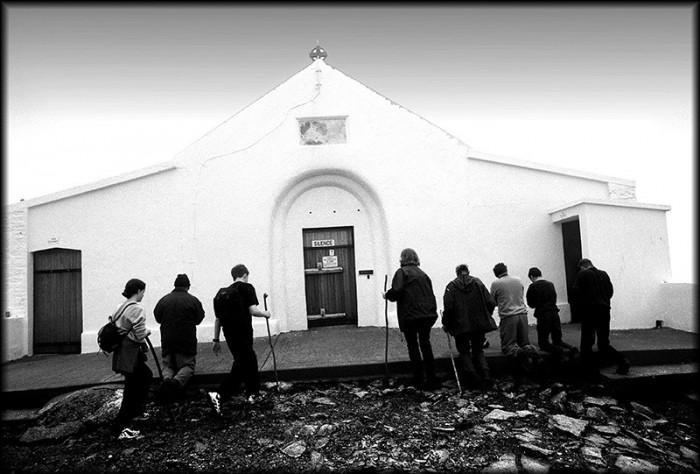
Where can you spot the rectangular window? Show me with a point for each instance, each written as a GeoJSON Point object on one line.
{"type": "Point", "coordinates": [322, 131]}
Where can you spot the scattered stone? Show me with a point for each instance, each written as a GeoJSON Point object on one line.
{"type": "Point", "coordinates": [593, 455]}
{"type": "Point", "coordinates": [532, 466]}
{"type": "Point", "coordinates": [558, 400]}
{"type": "Point", "coordinates": [596, 413]}
{"type": "Point", "coordinates": [325, 430]}
{"type": "Point", "coordinates": [624, 442]}
{"type": "Point", "coordinates": [307, 430]}
{"type": "Point", "coordinates": [321, 442]}
{"type": "Point", "coordinates": [596, 439]}
{"type": "Point", "coordinates": [45, 433]}
{"type": "Point", "coordinates": [576, 407]}
{"type": "Point", "coordinates": [444, 429]}
{"type": "Point", "coordinates": [570, 425]}
{"type": "Point", "coordinates": [689, 454]}
{"type": "Point", "coordinates": [498, 414]}
{"type": "Point", "coordinates": [523, 413]}
{"type": "Point", "coordinates": [600, 401]}
{"type": "Point", "coordinates": [361, 393]}
{"type": "Point", "coordinates": [442, 455]}
{"type": "Point", "coordinates": [627, 464]}
{"type": "Point", "coordinates": [316, 458]}
{"type": "Point", "coordinates": [607, 429]}
{"type": "Point", "coordinates": [295, 449]}
{"type": "Point", "coordinates": [324, 401]}
{"type": "Point", "coordinates": [641, 409]}
{"type": "Point", "coordinates": [654, 423]}
{"type": "Point", "coordinates": [527, 435]}
{"type": "Point", "coordinates": [537, 449]}
{"type": "Point", "coordinates": [505, 464]}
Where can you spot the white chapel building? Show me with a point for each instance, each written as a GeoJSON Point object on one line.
{"type": "Point", "coordinates": [317, 187]}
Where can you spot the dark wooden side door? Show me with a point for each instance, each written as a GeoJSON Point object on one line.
{"type": "Point", "coordinates": [329, 273]}
{"type": "Point", "coordinates": [571, 234]}
{"type": "Point", "coordinates": [58, 307]}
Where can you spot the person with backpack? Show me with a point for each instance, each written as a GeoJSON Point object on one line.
{"type": "Point", "coordinates": [412, 291]}
{"type": "Point", "coordinates": [234, 307]}
{"type": "Point", "coordinates": [129, 358]}
{"type": "Point", "coordinates": [178, 314]}
{"type": "Point", "coordinates": [468, 308]}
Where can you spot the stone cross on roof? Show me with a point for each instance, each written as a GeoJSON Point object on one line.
{"type": "Point", "coordinates": [318, 53]}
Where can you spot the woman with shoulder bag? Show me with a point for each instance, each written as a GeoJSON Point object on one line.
{"type": "Point", "coordinates": [130, 358]}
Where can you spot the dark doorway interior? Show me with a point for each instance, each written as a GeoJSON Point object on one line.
{"type": "Point", "coordinates": [571, 233]}
{"type": "Point", "coordinates": [58, 308]}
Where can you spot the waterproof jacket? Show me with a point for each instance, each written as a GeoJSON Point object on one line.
{"type": "Point", "coordinates": [594, 287]}
{"type": "Point", "coordinates": [412, 291]}
{"type": "Point", "coordinates": [468, 306]}
{"type": "Point", "coordinates": [179, 313]}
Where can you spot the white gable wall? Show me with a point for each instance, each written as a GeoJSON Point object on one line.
{"type": "Point", "coordinates": [244, 192]}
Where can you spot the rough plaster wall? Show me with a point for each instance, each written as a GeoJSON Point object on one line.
{"type": "Point", "coordinates": [15, 343]}
{"type": "Point", "coordinates": [134, 230]}
{"type": "Point", "coordinates": [678, 306]}
{"type": "Point", "coordinates": [631, 245]}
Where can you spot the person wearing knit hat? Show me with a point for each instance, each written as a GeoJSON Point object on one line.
{"type": "Point", "coordinates": [178, 313]}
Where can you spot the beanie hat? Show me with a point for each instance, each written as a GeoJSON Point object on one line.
{"type": "Point", "coordinates": [182, 281]}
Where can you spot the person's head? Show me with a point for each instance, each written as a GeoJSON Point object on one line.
{"type": "Point", "coordinates": [134, 287]}
{"type": "Point", "coordinates": [534, 273]}
{"type": "Point", "coordinates": [182, 281]}
{"type": "Point", "coordinates": [409, 257]}
{"type": "Point", "coordinates": [239, 271]}
{"type": "Point", "coordinates": [585, 264]}
{"type": "Point", "coordinates": [462, 269]}
{"type": "Point", "coordinates": [500, 270]}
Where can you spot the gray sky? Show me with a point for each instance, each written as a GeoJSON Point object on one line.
{"type": "Point", "coordinates": [94, 91]}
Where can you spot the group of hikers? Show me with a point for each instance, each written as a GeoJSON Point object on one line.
{"type": "Point", "coordinates": [467, 316]}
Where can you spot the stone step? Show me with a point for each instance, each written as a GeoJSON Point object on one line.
{"type": "Point", "coordinates": [655, 371]}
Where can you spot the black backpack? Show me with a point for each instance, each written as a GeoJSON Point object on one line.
{"type": "Point", "coordinates": [227, 305]}
{"type": "Point", "coordinates": [108, 337]}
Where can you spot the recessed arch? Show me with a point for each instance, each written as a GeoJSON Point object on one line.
{"type": "Point", "coordinates": [287, 276]}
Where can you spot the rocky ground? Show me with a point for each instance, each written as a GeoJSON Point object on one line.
{"type": "Point", "coordinates": [365, 426]}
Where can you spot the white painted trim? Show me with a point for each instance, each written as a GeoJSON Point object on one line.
{"type": "Point", "coordinates": [101, 184]}
{"type": "Point", "coordinates": [504, 160]}
{"type": "Point", "coordinates": [612, 202]}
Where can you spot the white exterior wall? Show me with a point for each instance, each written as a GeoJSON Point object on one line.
{"type": "Point", "coordinates": [678, 306]}
{"type": "Point", "coordinates": [15, 333]}
{"type": "Point", "coordinates": [631, 245]}
{"type": "Point", "coordinates": [244, 192]}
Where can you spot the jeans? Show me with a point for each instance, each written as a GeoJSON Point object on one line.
{"type": "Point", "coordinates": [245, 363]}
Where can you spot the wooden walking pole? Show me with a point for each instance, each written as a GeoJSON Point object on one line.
{"type": "Point", "coordinates": [155, 358]}
{"type": "Point", "coordinates": [269, 340]}
{"type": "Point", "coordinates": [386, 342]}
{"type": "Point", "coordinates": [452, 358]}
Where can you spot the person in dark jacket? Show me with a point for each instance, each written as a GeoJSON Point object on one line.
{"type": "Point", "coordinates": [412, 291]}
{"type": "Point", "coordinates": [542, 296]}
{"type": "Point", "coordinates": [595, 291]}
{"type": "Point", "coordinates": [468, 308]}
{"type": "Point", "coordinates": [178, 313]}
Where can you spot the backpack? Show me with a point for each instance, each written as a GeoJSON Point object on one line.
{"type": "Point", "coordinates": [108, 337]}
{"type": "Point", "coordinates": [227, 305]}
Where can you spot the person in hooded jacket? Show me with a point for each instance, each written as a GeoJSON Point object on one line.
{"type": "Point", "coordinates": [412, 291]}
{"type": "Point", "coordinates": [467, 316]}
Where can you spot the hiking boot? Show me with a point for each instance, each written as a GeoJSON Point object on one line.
{"type": "Point", "coordinates": [128, 433]}
{"type": "Point", "coordinates": [214, 400]}
{"type": "Point", "coordinates": [624, 367]}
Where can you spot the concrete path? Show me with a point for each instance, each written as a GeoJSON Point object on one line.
{"type": "Point", "coordinates": [330, 352]}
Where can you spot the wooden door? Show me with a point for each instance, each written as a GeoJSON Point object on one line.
{"type": "Point", "coordinates": [329, 273]}
{"type": "Point", "coordinates": [571, 234]}
{"type": "Point", "coordinates": [58, 308]}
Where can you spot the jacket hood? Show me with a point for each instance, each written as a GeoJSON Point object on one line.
{"type": "Point", "coordinates": [464, 282]}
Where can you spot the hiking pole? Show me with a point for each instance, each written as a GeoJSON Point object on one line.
{"type": "Point", "coordinates": [386, 342]}
{"type": "Point", "coordinates": [155, 357]}
{"type": "Point", "coordinates": [269, 340]}
{"type": "Point", "coordinates": [452, 358]}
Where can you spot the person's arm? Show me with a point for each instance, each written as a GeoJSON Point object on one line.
{"type": "Point", "coordinates": [158, 312]}
{"type": "Point", "coordinates": [260, 313]}
{"type": "Point", "coordinates": [448, 310]}
{"type": "Point", "coordinates": [137, 321]}
{"type": "Point", "coordinates": [530, 296]}
{"type": "Point", "coordinates": [199, 313]}
{"type": "Point", "coordinates": [396, 287]}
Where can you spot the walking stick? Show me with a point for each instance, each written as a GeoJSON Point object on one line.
{"type": "Point", "coordinates": [155, 357]}
{"type": "Point", "coordinates": [269, 340]}
{"type": "Point", "coordinates": [452, 358]}
{"type": "Point", "coordinates": [386, 342]}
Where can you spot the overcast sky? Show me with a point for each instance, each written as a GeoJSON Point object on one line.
{"type": "Point", "coordinates": [94, 92]}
